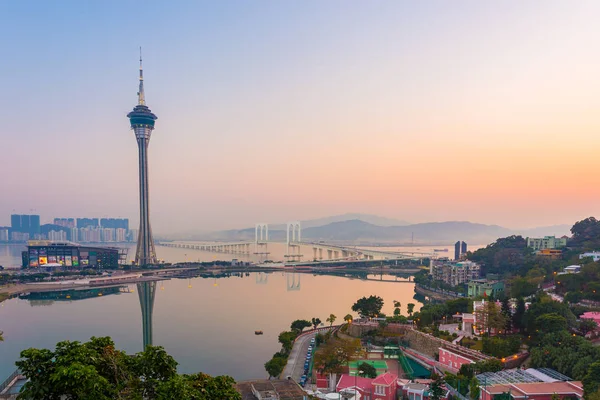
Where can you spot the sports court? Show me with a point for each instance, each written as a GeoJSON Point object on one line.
{"type": "Point", "coordinates": [380, 365]}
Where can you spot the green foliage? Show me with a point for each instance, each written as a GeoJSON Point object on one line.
{"type": "Point", "coordinates": [551, 323]}
{"type": "Point", "coordinates": [299, 325]}
{"type": "Point", "coordinates": [587, 325]}
{"type": "Point", "coordinates": [198, 387]}
{"type": "Point", "coordinates": [368, 306]}
{"type": "Point", "coordinates": [315, 322]}
{"type": "Point", "coordinates": [436, 388]}
{"type": "Point", "coordinates": [586, 234]}
{"type": "Point", "coordinates": [503, 396]}
{"type": "Point", "coordinates": [410, 308]}
{"type": "Point", "coordinates": [96, 370]}
{"type": "Point", "coordinates": [368, 371]}
{"type": "Point", "coordinates": [591, 381]}
{"type": "Point", "coordinates": [467, 370]}
{"type": "Point", "coordinates": [501, 347]}
{"type": "Point", "coordinates": [504, 255]}
{"type": "Point", "coordinates": [334, 355]}
{"type": "Point", "coordinates": [568, 354]}
{"type": "Point", "coordinates": [491, 365]}
{"type": "Point", "coordinates": [458, 382]}
{"type": "Point", "coordinates": [474, 389]}
{"type": "Point", "coordinates": [517, 317]}
{"type": "Point", "coordinates": [286, 339]}
{"type": "Point", "coordinates": [522, 287]}
{"type": "Point", "coordinates": [331, 319]}
{"type": "Point", "coordinates": [545, 305]}
{"type": "Point", "coordinates": [275, 366]}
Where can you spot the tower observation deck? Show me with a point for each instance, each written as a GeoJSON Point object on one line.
{"type": "Point", "coordinates": [142, 123]}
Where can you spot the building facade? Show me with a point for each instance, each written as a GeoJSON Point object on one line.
{"type": "Point", "coordinates": [595, 255]}
{"type": "Point", "coordinates": [455, 273]}
{"type": "Point", "coordinates": [67, 254]}
{"type": "Point", "coordinates": [547, 242]}
{"type": "Point", "coordinates": [485, 288]}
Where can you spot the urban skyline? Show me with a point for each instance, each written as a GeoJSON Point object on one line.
{"type": "Point", "coordinates": [403, 107]}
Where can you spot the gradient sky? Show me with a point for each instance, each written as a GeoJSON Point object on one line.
{"type": "Point", "coordinates": [288, 110]}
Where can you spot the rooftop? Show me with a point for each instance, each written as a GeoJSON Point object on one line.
{"type": "Point", "coordinates": [285, 389]}
{"type": "Point", "coordinates": [513, 376]}
{"type": "Point", "coordinates": [537, 388]}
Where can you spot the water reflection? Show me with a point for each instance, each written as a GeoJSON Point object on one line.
{"type": "Point", "coordinates": [293, 281]}
{"type": "Point", "coordinates": [146, 292]}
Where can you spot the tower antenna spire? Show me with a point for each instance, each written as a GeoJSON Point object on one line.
{"type": "Point", "coordinates": [141, 97]}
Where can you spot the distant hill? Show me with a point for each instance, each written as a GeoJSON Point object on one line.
{"type": "Point", "coordinates": [369, 218]}
{"type": "Point", "coordinates": [359, 231]}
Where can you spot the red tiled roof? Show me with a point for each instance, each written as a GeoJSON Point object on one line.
{"type": "Point", "coordinates": [347, 381]}
{"type": "Point", "coordinates": [385, 379]}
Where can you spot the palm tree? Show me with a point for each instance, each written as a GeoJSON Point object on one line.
{"type": "Point", "coordinates": [348, 318]}
{"type": "Point", "coordinates": [397, 304]}
{"type": "Point", "coordinates": [411, 308]}
{"type": "Point", "coordinates": [331, 319]}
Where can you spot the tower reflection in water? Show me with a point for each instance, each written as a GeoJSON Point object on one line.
{"type": "Point", "coordinates": [146, 292]}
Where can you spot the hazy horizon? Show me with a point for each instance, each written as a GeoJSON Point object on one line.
{"type": "Point", "coordinates": [296, 110]}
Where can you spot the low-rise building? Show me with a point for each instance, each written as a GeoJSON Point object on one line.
{"type": "Point", "coordinates": [547, 242]}
{"type": "Point", "coordinates": [549, 253]}
{"type": "Point", "coordinates": [595, 255]}
{"type": "Point", "coordinates": [419, 391]}
{"type": "Point", "coordinates": [485, 288]}
{"type": "Point", "coordinates": [571, 269]}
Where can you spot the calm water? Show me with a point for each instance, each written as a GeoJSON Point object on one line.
{"type": "Point", "coordinates": [206, 324]}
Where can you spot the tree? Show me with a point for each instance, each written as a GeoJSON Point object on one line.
{"type": "Point", "coordinates": [396, 312]}
{"type": "Point", "coordinates": [331, 319]}
{"type": "Point", "coordinates": [410, 308]}
{"type": "Point", "coordinates": [275, 366]}
{"type": "Point", "coordinates": [507, 314]}
{"type": "Point", "coordinates": [397, 304]}
{"type": "Point", "coordinates": [517, 318]}
{"type": "Point", "coordinates": [286, 339]}
{"type": "Point", "coordinates": [366, 370]}
{"type": "Point", "coordinates": [551, 323]}
{"type": "Point", "coordinates": [299, 325]}
{"type": "Point", "coordinates": [491, 365]}
{"type": "Point", "coordinates": [436, 389]}
{"type": "Point", "coordinates": [335, 354]}
{"type": "Point", "coordinates": [591, 381]}
{"type": "Point", "coordinates": [348, 318]}
{"type": "Point", "coordinates": [368, 306]}
{"type": "Point", "coordinates": [474, 389]}
{"type": "Point", "coordinates": [587, 325]}
{"type": "Point", "coordinates": [316, 322]}
{"type": "Point", "coordinates": [490, 317]}
{"type": "Point", "coordinates": [96, 370]}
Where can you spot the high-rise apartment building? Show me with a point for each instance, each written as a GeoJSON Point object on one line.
{"type": "Point", "coordinates": [4, 236]}
{"type": "Point", "coordinates": [460, 248]}
{"type": "Point", "coordinates": [115, 223]}
{"type": "Point", "coordinates": [29, 224]}
{"type": "Point", "coordinates": [87, 222]}
{"type": "Point", "coordinates": [57, 236]}
{"type": "Point", "coordinates": [66, 222]}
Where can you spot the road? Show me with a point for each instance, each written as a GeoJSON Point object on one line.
{"type": "Point", "coordinates": [295, 364]}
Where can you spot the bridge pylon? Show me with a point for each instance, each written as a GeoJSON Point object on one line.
{"type": "Point", "coordinates": [293, 239]}
{"type": "Point", "coordinates": [261, 239]}
{"type": "Point", "coordinates": [293, 281]}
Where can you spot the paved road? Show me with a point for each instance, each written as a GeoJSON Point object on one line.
{"type": "Point", "coordinates": [295, 364]}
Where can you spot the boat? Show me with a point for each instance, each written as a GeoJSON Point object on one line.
{"type": "Point", "coordinates": [440, 250]}
{"type": "Point", "coordinates": [258, 332]}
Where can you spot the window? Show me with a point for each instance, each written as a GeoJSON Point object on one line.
{"type": "Point", "coordinates": [379, 389]}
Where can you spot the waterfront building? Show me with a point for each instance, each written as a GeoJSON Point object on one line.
{"type": "Point", "coordinates": [595, 255]}
{"type": "Point", "coordinates": [120, 235]}
{"type": "Point", "coordinates": [108, 234]}
{"type": "Point", "coordinates": [29, 224]}
{"type": "Point", "coordinates": [115, 223]}
{"type": "Point", "coordinates": [69, 254]}
{"type": "Point", "coordinates": [87, 222]}
{"type": "Point", "coordinates": [547, 242]}
{"type": "Point", "coordinates": [4, 236]}
{"type": "Point", "coordinates": [57, 236]}
{"type": "Point", "coordinates": [455, 273]}
{"type": "Point", "coordinates": [485, 288]}
{"type": "Point", "coordinates": [142, 123]}
{"type": "Point", "coordinates": [66, 222]}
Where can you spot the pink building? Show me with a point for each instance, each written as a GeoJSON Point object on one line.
{"type": "Point", "coordinates": [452, 360]}
{"type": "Point", "coordinates": [383, 387]}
